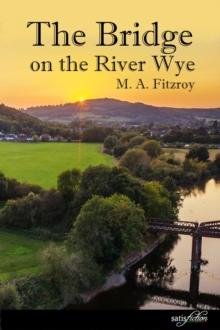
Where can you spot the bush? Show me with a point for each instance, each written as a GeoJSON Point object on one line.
{"type": "Point", "coordinates": [217, 163]}
{"type": "Point", "coordinates": [136, 141]}
{"type": "Point", "coordinates": [137, 162]}
{"type": "Point", "coordinates": [3, 187]}
{"type": "Point", "coordinates": [108, 228]}
{"type": "Point", "coordinates": [95, 180]}
{"type": "Point", "coordinates": [159, 203]}
{"type": "Point", "coordinates": [105, 181]}
{"type": "Point", "coordinates": [110, 142]}
{"type": "Point", "coordinates": [153, 148]}
{"type": "Point", "coordinates": [96, 134]}
{"type": "Point", "coordinates": [197, 167]}
{"type": "Point", "coordinates": [37, 292]}
{"type": "Point", "coordinates": [162, 169]}
{"type": "Point", "coordinates": [120, 149]}
{"type": "Point", "coordinates": [9, 297]}
{"type": "Point", "coordinates": [11, 188]}
{"type": "Point", "coordinates": [43, 210]}
{"type": "Point", "coordinates": [198, 152]}
{"type": "Point", "coordinates": [68, 183]}
{"type": "Point", "coordinates": [18, 190]}
{"type": "Point", "coordinates": [126, 137]}
{"type": "Point", "coordinates": [72, 273]}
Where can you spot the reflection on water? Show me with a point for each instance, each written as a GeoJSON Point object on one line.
{"type": "Point", "coordinates": [162, 280]}
{"type": "Point", "coordinates": [202, 204]}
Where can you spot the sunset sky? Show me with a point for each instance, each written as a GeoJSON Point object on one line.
{"type": "Point", "coordinates": [20, 87]}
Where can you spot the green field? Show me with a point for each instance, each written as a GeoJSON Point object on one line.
{"type": "Point", "coordinates": [41, 163]}
{"type": "Point", "coordinates": [180, 153]}
{"type": "Point", "coordinates": [19, 255]}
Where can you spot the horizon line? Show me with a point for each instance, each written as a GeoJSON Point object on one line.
{"type": "Point", "coordinates": [108, 98]}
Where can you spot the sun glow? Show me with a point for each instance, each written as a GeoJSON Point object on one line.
{"type": "Point", "coordinates": [21, 87]}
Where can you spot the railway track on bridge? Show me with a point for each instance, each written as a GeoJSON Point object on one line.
{"type": "Point", "coordinates": [204, 229]}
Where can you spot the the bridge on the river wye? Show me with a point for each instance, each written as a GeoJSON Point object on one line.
{"type": "Point", "coordinates": [205, 229]}
{"type": "Point", "coordinates": [197, 231]}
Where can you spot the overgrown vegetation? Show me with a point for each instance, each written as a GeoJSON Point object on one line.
{"type": "Point", "coordinates": [153, 164]}
{"type": "Point", "coordinates": [9, 297]}
{"type": "Point", "coordinates": [101, 215]}
{"type": "Point", "coordinates": [108, 228]}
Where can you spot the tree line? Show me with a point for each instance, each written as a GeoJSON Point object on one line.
{"type": "Point", "coordinates": [145, 158]}
{"type": "Point", "coordinates": [101, 215]}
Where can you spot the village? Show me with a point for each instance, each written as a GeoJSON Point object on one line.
{"type": "Point", "coordinates": [10, 137]}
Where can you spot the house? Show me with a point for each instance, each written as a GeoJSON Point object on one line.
{"type": "Point", "coordinates": [10, 137]}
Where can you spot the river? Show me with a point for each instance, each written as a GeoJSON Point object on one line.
{"type": "Point", "coordinates": [162, 280]}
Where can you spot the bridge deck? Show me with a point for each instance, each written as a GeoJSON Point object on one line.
{"type": "Point", "coordinates": [205, 229]}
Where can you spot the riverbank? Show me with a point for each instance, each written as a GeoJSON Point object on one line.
{"type": "Point", "coordinates": [162, 279]}
{"type": "Point", "coordinates": [117, 279]}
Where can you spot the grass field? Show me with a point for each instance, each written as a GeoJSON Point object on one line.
{"type": "Point", "coordinates": [180, 153]}
{"type": "Point", "coordinates": [19, 255]}
{"type": "Point", "coordinates": [41, 163]}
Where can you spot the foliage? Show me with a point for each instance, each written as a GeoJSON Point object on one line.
{"type": "Point", "coordinates": [68, 183]}
{"type": "Point", "coordinates": [9, 297]}
{"type": "Point", "coordinates": [3, 187]}
{"type": "Point", "coordinates": [199, 168]}
{"type": "Point", "coordinates": [216, 163]}
{"type": "Point", "coordinates": [108, 228]}
{"type": "Point", "coordinates": [71, 273]}
{"type": "Point", "coordinates": [13, 121]}
{"type": "Point", "coordinates": [43, 210]}
{"type": "Point", "coordinates": [126, 137]}
{"type": "Point", "coordinates": [110, 142]}
{"type": "Point", "coordinates": [153, 148]}
{"type": "Point", "coordinates": [162, 169]}
{"type": "Point", "coordinates": [37, 292]}
{"type": "Point", "coordinates": [96, 134]}
{"type": "Point", "coordinates": [106, 181]}
{"type": "Point", "coordinates": [95, 180]}
{"type": "Point", "coordinates": [11, 188]}
{"type": "Point", "coordinates": [136, 141]}
{"type": "Point", "coordinates": [120, 149]}
{"type": "Point", "coordinates": [159, 204]}
{"type": "Point", "coordinates": [137, 162]}
{"type": "Point", "coordinates": [193, 135]}
{"type": "Point", "coordinates": [19, 122]}
{"type": "Point", "coordinates": [198, 152]}
{"type": "Point", "coordinates": [175, 195]}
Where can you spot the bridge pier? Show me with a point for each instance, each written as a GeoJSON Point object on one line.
{"type": "Point", "coordinates": [197, 231]}
{"type": "Point", "coordinates": [196, 252]}
{"type": "Point", "coordinates": [195, 269]}
{"type": "Point", "coordinates": [194, 287]}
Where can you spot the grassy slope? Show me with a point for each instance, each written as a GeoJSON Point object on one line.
{"type": "Point", "coordinates": [40, 163]}
{"type": "Point", "coordinates": [19, 254]}
{"type": "Point", "coordinates": [180, 153]}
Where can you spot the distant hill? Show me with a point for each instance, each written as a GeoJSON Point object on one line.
{"type": "Point", "coordinates": [15, 121]}
{"type": "Point", "coordinates": [107, 110]}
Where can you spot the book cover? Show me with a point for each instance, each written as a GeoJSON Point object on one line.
{"type": "Point", "coordinates": [110, 163]}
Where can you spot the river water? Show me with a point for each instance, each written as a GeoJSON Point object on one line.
{"type": "Point", "coordinates": [162, 280]}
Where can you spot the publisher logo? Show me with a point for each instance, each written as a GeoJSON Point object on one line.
{"type": "Point", "coordinates": [194, 317]}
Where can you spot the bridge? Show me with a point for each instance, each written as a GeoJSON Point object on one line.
{"type": "Point", "coordinates": [197, 231]}
{"type": "Point", "coordinates": [183, 298]}
{"type": "Point", "coordinates": [205, 229]}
